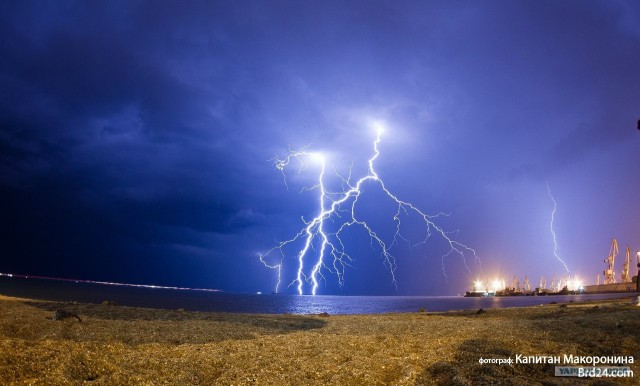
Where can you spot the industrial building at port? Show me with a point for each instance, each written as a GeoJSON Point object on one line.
{"type": "Point", "coordinates": [568, 284]}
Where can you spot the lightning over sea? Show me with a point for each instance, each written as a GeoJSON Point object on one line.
{"type": "Point", "coordinates": [323, 250]}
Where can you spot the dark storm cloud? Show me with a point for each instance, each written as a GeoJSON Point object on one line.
{"type": "Point", "coordinates": [108, 138]}
{"type": "Point", "coordinates": [594, 81]}
{"type": "Point", "coordinates": [140, 132]}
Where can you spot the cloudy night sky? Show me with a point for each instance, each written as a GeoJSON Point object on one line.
{"type": "Point", "coordinates": [137, 138]}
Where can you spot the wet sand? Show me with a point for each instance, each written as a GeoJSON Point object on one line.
{"type": "Point", "coordinates": [125, 345]}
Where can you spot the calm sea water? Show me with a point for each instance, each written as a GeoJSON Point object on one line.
{"type": "Point", "coordinates": [195, 300]}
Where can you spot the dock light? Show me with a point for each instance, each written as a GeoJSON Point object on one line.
{"type": "Point", "coordinates": [477, 286]}
{"type": "Point", "coordinates": [497, 285]}
{"type": "Point", "coordinates": [575, 285]}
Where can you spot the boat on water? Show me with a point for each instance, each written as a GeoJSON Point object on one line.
{"type": "Point", "coordinates": [498, 287]}
{"type": "Point", "coordinates": [512, 292]}
{"type": "Point", "coordinates": [479, 294]}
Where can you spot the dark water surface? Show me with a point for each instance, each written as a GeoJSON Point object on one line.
{"type": "Point", "coordinates": [198, 300]}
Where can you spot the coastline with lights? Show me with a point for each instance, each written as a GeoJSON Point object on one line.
{"type": "Point", "coordinates": [497, 287]}
{"type": "Point", "coordinates": [568, 284]}
{"type": "Point", "coordinates": [107, 283]}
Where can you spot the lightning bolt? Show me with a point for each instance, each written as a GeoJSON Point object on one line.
{"type": "Point", "coordinates": [553, 232]}
{"type": "Point", "coordinates": [340, 208]}
{"type": "Point", "coordinates": [277, 267]}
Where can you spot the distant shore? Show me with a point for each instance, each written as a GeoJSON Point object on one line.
{"type": "Point", "coordinates": [113, 344]}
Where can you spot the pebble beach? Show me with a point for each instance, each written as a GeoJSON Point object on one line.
{"type": "Point", "coordinates": [110, 344]}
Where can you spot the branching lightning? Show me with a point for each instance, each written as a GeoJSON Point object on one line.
{"type": "Point", "coordinates": [340, 208]}
{"type": "Point", "coordinates": [277, 267]}
{"type": "Point", "coordinates": [556, 250]}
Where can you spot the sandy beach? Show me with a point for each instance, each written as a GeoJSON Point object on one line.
{"type": "Point", "coordinates": [123, 345]}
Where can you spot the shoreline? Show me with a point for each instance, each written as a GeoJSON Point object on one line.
{"type": "Point", "coordinates": [576, 300]}
{"type": "Point", "coordinates": [264, 303]}
{"type": "Point", "coordinates": [129, 345]}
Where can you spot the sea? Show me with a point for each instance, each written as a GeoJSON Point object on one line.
{"type": "Point", "coordinates": [217, 301]}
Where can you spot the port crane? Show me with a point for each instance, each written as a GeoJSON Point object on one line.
{"type": "Point", "coordinates": [609, 274]}
{"type": "Point", "coordinates": [515, 284]}
{"type": "Point", "coordinates": [542, 284]}
{"type": "Point", "coordinates": [625, 268]}
{"type": "Point", "coordinates": [638, 255]}
{"type": "Point", "coordinates": [527, 284]}
{"type": "Point", "coordinates": [555, 284]}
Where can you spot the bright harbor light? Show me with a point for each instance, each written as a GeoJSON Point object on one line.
{"type": "Point", "coordinates": [477, 286]}
{"type": "Point", "coordinates": [575, 284]}
{"type": "Point", "coordinates": [497, 285]}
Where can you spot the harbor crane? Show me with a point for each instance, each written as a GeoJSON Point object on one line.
{"type": "Point", "coordinates": [527, 284]}
{"type": "Point", "coordinates": [609, 274]}
{"type": "Point", "coordinates": [515, 284]}
{"type": "Point", "coordinates": [542, 284]}
{"type": "Point", "coordinates": [638, 257]}
{"type": "Point", "coordinates": [625, 268]}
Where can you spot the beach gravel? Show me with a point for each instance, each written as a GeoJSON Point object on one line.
{"type": "Point", "coordinates": [124, 345]}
